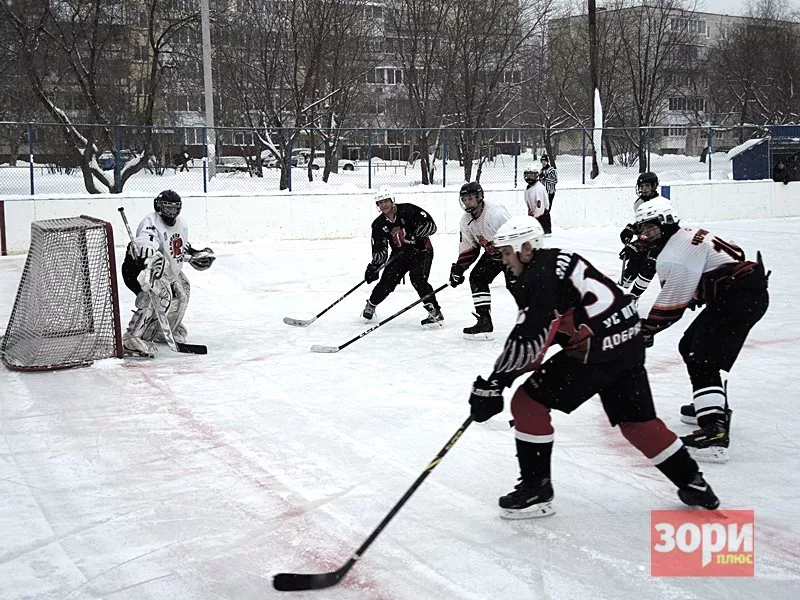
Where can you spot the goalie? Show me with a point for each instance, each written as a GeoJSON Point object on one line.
{"type": "Point", "coordinates": [154, 261]}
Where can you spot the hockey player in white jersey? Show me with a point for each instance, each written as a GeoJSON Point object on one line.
{"type": "Point", "coordinates": [479, 223]}
{"type": "Point", "coordinates": [638, 266]}
{"type": "Point", "coordinates": [536, 197]}
{"type": "Point", "coordinates": [697, 268]}
{"type": "Point", "coordinates": [154, 260]}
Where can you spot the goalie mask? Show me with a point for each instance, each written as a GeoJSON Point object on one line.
{"type": "Point", "coordinates": [168, 206]}
{"type": "Point", "coordinates": [471, 198]}
{"type": "Point", "coordinates": [656, 221]}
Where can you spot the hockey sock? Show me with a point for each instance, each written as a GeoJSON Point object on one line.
{"type": "Point", "coordinates": [709, 395]}
{"type": "Point", "coordinates": [534, 435]}
{"type": "Point", "coordinates": [660, 444]}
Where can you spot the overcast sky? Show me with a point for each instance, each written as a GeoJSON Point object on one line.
{"type": "Point", "coordinates": [733, 7]}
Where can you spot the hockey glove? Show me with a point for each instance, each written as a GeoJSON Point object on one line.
{"type": "Point", "coordinates": [371, 274]}
{"type": "Point", "coordinates": [153, 270]}
{"type": "Point", "coordinates": [628, 252]}
{"type": "Point", "coordinates": [648, 339]}
{"type": "Point", "coordinates": [202, 259]}
{"type": "Point", "coordinates": [486, 400]}
{"type": "Point", "coordinates": [456, 275]}
{"type": "Point", "coordinates": [626, 235]}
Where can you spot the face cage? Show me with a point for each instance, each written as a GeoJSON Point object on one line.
{"type": "Point", "coordinates": [170, 210]}
{"type": "Point", "coordinates": [478, 196]}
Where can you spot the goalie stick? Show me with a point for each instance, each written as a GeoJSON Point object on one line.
{"type": "Point", "coordinates": [332, 349]}
{"type": "Point", "coordinates": [155, 302]}
{"type": "Point", "coordinates": [307, 322]}
{"type": "Point", "coordinates": [293, 582]}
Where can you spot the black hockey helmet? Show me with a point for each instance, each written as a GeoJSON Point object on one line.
{"type": "Point", "coordinates": [473, 187]}
{"type": "Point", "coordinates": [168, 206]}
{"type": "Point", "coordinates": [647, 177]}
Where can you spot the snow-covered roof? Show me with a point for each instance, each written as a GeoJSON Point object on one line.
{"type": "Point", "coordinates": [737, 150]}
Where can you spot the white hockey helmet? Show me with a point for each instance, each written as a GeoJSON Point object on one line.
{"type": "Point", "coordinates": [518, 230]}
{"type": "Point", "coordinates": [658, 210]}
{"type": "Point", "coordinates": [385, 193]}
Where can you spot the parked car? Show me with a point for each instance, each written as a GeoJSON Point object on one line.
{"type": "Point", "coordinates": [232, 164]}
{"type": "Point", "coordinates": [106, 159]}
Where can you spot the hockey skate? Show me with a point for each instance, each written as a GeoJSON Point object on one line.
{"type": "Point", "coordinates": [710, 443]}
{"type": "Point", "coordinates": [369, 311]}
{"type": "Point", "coordinates": [482, 330]}
{"type": "Point", "coordinates": [434, 317]}
{"type": "Point", "coordinates": [529, 500]}
{"type": "Point", "coordinates": [133, 346]}
{"type": "Point", "coordinates": [699, 493]}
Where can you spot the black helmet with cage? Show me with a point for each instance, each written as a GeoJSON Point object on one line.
{"type": "Point", "coordinates": [168, 206]}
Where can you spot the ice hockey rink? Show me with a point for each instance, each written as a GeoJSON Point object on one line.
{"type": "Point", "coordinates": [200, 477]}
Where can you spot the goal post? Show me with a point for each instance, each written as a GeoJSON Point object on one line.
{"type": "Point", "coordinates": [66, 311]}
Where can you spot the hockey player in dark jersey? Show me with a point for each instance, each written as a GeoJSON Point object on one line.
{"type": "Point", "coordinates": [638, 267]}
{"type": "Point", "coordinates": [697, 268]}
{"type": "Point", "coordinates": [564, 300]}
{"type": "Point", "coordinates": [406, 229]}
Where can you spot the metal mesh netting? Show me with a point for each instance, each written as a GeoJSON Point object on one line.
{"type": "Point", "coordinates": [66, 313]}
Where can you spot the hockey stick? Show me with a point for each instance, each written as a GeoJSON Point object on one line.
{"type": "Point", "coordinates": [332, 349]}
{"type": "Point", "coordinates": [155, 302]}
{"type": "Point", "coordinates": [292, 582]}
{"type": "Point", "coordinates": [307, 322]}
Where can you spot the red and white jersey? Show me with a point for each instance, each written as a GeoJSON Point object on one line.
{"type": "Point", "coordinates": [477, 233]}
{"type": "Point", "coordinates": [692, 261]}
{"type": "Point", "coordinates": [537, 200]}
{"type": "Point", "coordinates": [171, 241]}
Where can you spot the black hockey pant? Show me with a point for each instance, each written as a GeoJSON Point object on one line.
{"type": "Point", "coordinates": [418, 266]}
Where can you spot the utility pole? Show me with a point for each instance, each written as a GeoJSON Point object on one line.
{"type": "Point", "coordinates": [211, 139]}
{"type": "Point", "coordinates": [595, 90]}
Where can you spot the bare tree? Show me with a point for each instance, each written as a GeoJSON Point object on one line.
{"type": "Point", "coordinates": [89, 44]}
{"type": "Point", "coordinates": [484, 41]}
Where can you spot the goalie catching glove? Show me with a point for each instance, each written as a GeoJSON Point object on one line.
{"type": "Point", "coordinates": [486, 399]}
{"type": "Point", "coordinates": [201, 259]}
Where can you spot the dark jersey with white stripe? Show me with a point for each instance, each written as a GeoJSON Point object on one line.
{"type": "Point", "coordinates": [410, 229]}
{"type": "Point", "coordinates": [564, 300]}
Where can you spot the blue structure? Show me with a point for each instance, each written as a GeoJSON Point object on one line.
{"type": "Point", "coordinates": [757, 161]}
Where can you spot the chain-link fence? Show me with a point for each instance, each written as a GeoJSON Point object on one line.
{"type": "Point", "coordinates": [42, 158]}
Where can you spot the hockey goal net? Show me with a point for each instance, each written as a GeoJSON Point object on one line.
{"type": "Point", "coordinates": [66, 312]}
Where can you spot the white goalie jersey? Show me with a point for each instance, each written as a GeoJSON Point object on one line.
{"type": "Point", "coordinates": [171, 241]}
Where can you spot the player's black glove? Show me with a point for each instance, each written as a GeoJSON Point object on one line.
{"type": "Point", "coordinates": [648, 339]}
{"type": "Point", "coordinates": [628, 252]}
{"type": "Point", "coordinates": [486, 400]}
{"type": "Point", "coordinates": [371, 274]}
{"type": "Point", "coordinates": [626, 235]}
{"type": "Point", "coordinates": [456, 275]}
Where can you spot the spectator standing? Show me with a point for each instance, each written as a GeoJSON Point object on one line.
{"type": "Point", "coordinates": [549, 178]}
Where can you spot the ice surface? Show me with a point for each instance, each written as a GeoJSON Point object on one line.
{"type": "Point", "coordinates": [199, 477]}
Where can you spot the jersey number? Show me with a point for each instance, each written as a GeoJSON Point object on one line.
{"type": "Point", "coordinates": [585, 284]}
{"type": "Point", "coordinates": [177, 246]}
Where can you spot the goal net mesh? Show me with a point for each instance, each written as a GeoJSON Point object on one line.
{"type": "Point", "coordinates": [66, 312]}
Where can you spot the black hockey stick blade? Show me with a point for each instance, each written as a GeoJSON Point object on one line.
{"type": "Point", "coordinates": [191, 348]}
{"type": "Point", "coordinates": [292, 582]}
{"type": "Point", "coordinates": [325, 349]}
{"type": "Point", "coordinates": [296, 582]}
{"type": "Point", "coordinates": [298, 322]}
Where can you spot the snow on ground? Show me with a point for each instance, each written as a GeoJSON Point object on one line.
{"type": "Point", "coordinates": [199, 477]}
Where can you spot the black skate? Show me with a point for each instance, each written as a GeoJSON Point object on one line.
{"type": "Point", "coordinates": [529, 500]}
{"type": "Point", "coordinates": [369, 311]}
{"type": "Point", "coordinates": [481, 330]}
{"type": "Point", "coordinates": [699, 493]}
{"type": "Point", "coordinates": [710, 443]}
{"type": "Point", "coordinates": [434, 317]}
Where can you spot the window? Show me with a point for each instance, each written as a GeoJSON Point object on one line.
{"type": "Point", "coordinates": [687, 104]}
{"type": "Point", "coordinates": [140, 54]}
{"type": "Point", "coordinates": [512, 76]}
{"type": "Point", "coordinates": [692, 26]}
{"type": "Point", "coordinates": [385, 75]}
{"type": "Point", "coordinates": [675, 131]}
